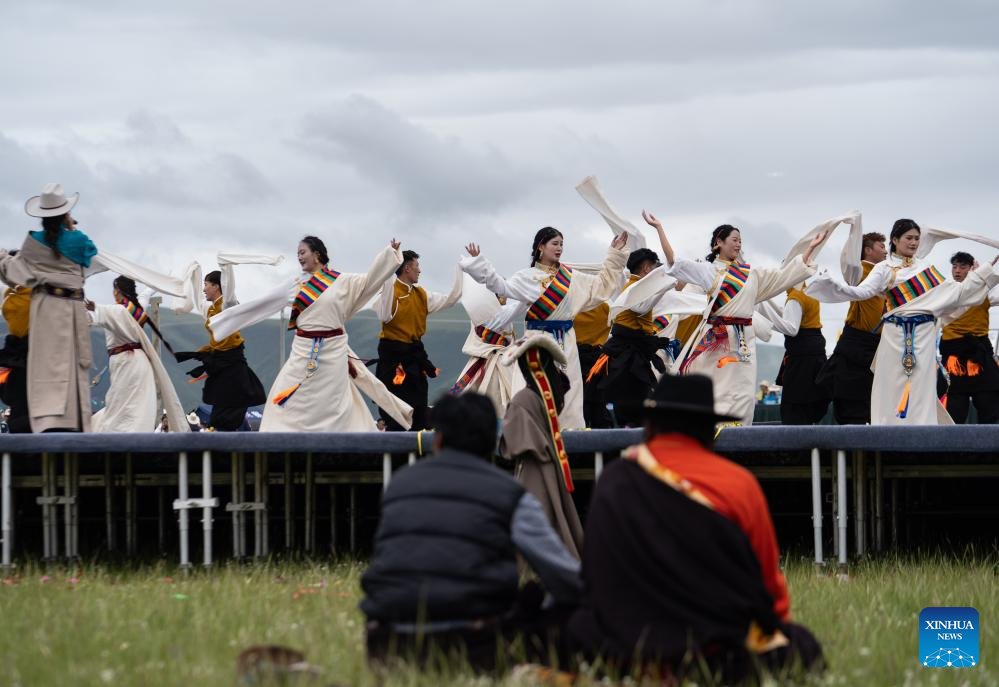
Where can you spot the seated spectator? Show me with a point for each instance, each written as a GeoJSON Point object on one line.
{"type": "Point", "coordinates": [680, 568]}
{"type": "Point", "coordinates": [443, 579]}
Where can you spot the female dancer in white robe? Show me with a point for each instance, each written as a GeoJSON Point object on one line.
{"type": "Point", "coordinates": [722, 347]}
{"type": "Point", "coordinates": [483, 372]}
{"type": "Point", "coordinates": [136, 373]}
{"type": "Point", "coordinates": [317, 389]}
{"type": "Point", "coordinates": [916, 297]}
{"type": "Point", "coordinates": [550, 295]}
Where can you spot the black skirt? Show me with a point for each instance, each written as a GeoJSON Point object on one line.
{"type": "Point", "coordinates": [231, 383]}
{"type": "Point", "coordinates": [804, 358]}
{"type": "Point", "coordinates": [848, 370]}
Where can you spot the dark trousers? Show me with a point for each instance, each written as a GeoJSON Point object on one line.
{"type": "Point", "coordinates": [227, 419]}
{"type": "Point", "coordinates": [527, 634]}
{"type": "Point", "coordinates": [850, 411]}
{"type": "Point", "coordinates": [803, 413]}
{"type": "Point", "coordinates": [986, 405]}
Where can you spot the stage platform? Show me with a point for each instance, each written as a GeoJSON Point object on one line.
{"type": "Point", "coordinates": [67, 496]}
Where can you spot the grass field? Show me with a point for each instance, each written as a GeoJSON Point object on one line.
{"type": "Point", "coordinates": [154, 626]}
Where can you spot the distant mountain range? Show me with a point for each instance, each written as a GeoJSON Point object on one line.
{"type": "Point", "coordinates": [446, 333]}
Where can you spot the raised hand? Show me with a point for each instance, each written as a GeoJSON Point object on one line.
{"type": "Point", "coordinates": [813, 244]}
{"type": "Point", "coordinates": [473, 249]}
{"type": "Point", "coordinates": [620, 241]}
{"type": "Point", "coordinates": [395, 244]}
{"type": "Point", "coordinates": [651, 220]}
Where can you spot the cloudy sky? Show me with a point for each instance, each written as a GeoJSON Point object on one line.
{"type": "Point", "coordinates": [191, 127]}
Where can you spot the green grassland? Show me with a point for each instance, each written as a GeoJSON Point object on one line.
{"type": "Point", "coordinates": [155, 626]}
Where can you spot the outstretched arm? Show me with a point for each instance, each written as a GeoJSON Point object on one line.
{"type": "Point", "coordinates": [481, 270]}
{"type": "Point", "coordinates": [651, 220]}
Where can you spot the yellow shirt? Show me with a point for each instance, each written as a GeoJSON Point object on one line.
{"type": "Point", "coordinates": [809, 309]}
{"type": "Point", "coordinates": [686, 328]}
{"type": "Point", "coordinates": [232, 341]}
{"type": "Point", "coordinates": [409, 324]}
{"type": "Point", "coordinates": [591, 326]}
{"type": "Point", "coordinates": [974, 322]}
{"type": "Point", "coordinates": [17, 310]}
{"type": "Point", "coordinates": [866, 315]}
{"type": "Point", "coordinates": [632, 320]}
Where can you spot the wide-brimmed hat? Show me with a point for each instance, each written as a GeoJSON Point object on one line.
{"type": "Point", "coordinates": [539, 340]}
{"type": "Point", "coordinates": [52, 203]}
{"type": "Point", "coordinates": [685, 394]}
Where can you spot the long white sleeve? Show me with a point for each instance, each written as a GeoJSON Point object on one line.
{"type": "Point", "coordinates": [702, 274]}
{"type": "Point", "coordinates": [482, 271]}
{"type": "Point", "coordinates": [385, 303]}
{"type": "Point", "coordinates": [442, 301]}
{"type": "Point", "coordinates": [231, 320]}
{"type": "Point", "coordinates": [827, 289]}
{"type": "Point", "coordinates": [788, 321]}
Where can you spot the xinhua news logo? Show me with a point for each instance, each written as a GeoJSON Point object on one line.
{"type": "Point", "coordinates": [948, 637]}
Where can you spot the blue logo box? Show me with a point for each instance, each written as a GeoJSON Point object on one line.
{"type": "Point", "coordinates": [948, 637]}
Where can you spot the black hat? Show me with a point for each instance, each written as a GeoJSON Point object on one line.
{"type": "Point", "coordinates": [640, 256]}
{"type": "Point", "coordinates": [684, 393]}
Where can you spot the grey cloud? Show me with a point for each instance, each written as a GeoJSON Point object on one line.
{"type": "Point", "coordinates": [430, 174]}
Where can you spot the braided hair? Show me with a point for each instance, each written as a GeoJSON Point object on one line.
{"type": "Point", "coordinates": [126, 287]}
{"type": "Point", "coordinates": [316, 245]}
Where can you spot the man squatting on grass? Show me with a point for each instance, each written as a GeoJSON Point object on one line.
{"type": "Point", "coordinates": [443, 579]}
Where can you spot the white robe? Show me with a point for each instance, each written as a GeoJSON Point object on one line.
{"type": "Point", "coordinates": [330, 400]}
{"type": "Point", "coordinates": [889, 378]}
{"type": "Point", "coordinates": [136, 377]}
{"type": "Point", "coordinates": [734, 382]}
{"type": "Point", "coordinates": [585, 292]}
{"type": "Point", "coordinates": [495, 381]}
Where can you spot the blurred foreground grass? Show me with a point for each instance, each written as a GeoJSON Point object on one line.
{"type": "Point", "coordinates": [152, 625]}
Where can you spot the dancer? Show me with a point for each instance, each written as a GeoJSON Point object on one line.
{"type": "Point", "coordinates": [551, 294]}
{"type": "Point", "coordinates": [592, 331]}
{"type": "Point", "coordinates": [136, 372]}
{"type": "Point", "coordinates": [319, 387]}
{"type": "Point", "coordinates": [483, 372]}
{"type": "Point", "coordinates": [848, 369]}
{"type": "Point", "coordinates": [14, 358]}
{"type": "Point", "coordinates": [52, 262]}
{"type": "Point", "coordinates": [532, 436]}
{"type": "Point", "coordinates": [968, 355]}
{"type": "Point", "coordinates": [905, 370]}
{"type": "Point", "coordinates": [804, 399]}
{"type": "Point", "coordinates": [231, 387]}
{"type": "Point", "coordinates": [403, 364]}
{"type": "Point", "coordinates": [723, 344]}
{"type": "Point", "coordinates": [626, 368]}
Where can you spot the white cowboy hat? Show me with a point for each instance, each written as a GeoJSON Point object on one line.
{"type": "Point", "coordinates": [52, 203]}
{"type": "Point", "coordinates": [542, 341]}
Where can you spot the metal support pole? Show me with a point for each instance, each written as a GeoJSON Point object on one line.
{"type": "Point", "coordinates": [264, 500]}
{"type": "Point", "coordinates": [894, 513]}
{"type": "Point", "coordinates": [258, 516]}
{"type": "Point", "coordinates": [46, 513]}
{"type": "Point", "coordinates": [289, 522]}
{"type": "Point", "coordinates": [352, 517]}
{"type": "Point", "coordinates": [108, 503]}
{"type": "Point", "coordinates": [6, 519]}
{"type": "Point", "coordinates": [879, 505]}
{"type": "Point", "coordinates": [412, 458]}
{"type": "Point", "coordinates": [75, 506]}
{"type": "Point", "coordinates": [206, 513]}
{"type": "Point", "coordinates": [130, 503]}
{"type": "Point", "coordinates": [817, 507]}
{"type": "Point", "coordinates": [333, 518]}
{"type": "Point", "coordinates": [234, 498]}
{"type": "Point", "coordinates": [185, 541]}
{"type": "Point", "coordinates": [860, 507]}
{"type": "Point", "coordinates": [386, 470]}
{"type": "Point", "coordinates": [310, 505]}
{"type": "Point", "coordinates": [161, 519]}
{"type": "Point", "coordinates": [53, 508]}
{"type": "Point", "coordinates": [598, 465]}
{"type": "Point", "coordinates": [67, 506]}
{"type": "Point", "coordinates": [834, 504]}
{"type": "Point", "coordinates": [841, 507]}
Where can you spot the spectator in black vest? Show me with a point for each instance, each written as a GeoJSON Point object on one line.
{"type": "Point", "coordinates": [443, 579]}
